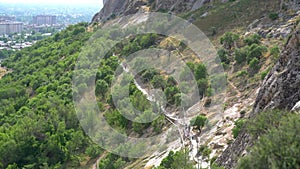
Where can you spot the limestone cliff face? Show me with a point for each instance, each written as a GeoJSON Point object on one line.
{"type": "Point", "coordinates": [280, 90]}
{"type": "Point", "coordinates": [113, 8]}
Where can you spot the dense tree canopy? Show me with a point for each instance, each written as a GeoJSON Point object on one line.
{"type": "Point", "coordinates": [278, 144]}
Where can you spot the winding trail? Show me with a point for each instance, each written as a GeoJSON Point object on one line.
{"type": "Point", "coordinates": [96, 165]}
{"type": "Point", "coordinates": [239, 94]}
{"type": "Point", "coordinates": [187, 135]}
{"type": "Point", "coordinates": [189, 138]}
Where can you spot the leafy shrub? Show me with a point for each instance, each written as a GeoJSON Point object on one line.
{"type": "Point", "coordinates": [223, 55]}
{"type": "Point", "coordinates": [242, 73]}
{"type": "Point", "coordinates": [278, 145]}
{"type": "Point", "coordinates": [93, 151]}
{"type": "Point", "coordinates": [252, 39]}
{"type": "Point", "coordinates": [170, 92]}
{"type": "Point", "coordinates": [238, 127]}
{"type": "Point", "coordinates": [240, 55]}
{"type": "Point", "coordinates": [242, 113]}
{"type": "Point", "coordinates": [261, 124]}
{"type": "Point", "coordinates": [264, 74]}
{"type": "Point", "coordinates": [274, 51]}
{"type": "Point", "coordinates": [228, 39]}
{"type": "Point", "coordinates": [255, 51]}
{"type": "Point", "coordinates": [5, 53]}
{"type": "Point", "coordinates": [273, 16]}
{"type": "Point", "coordinates": [158, 82]}
{"type": "Point", "coordinates": [178, 160]}
{"type": "Point", "coordinates": [112, 161]}
{"type": "Point", "coordinates": [210, 92]}
{"type": "Point", "coordinates": [254, 66]}
{"type": "Point", "coordinates": [225, 66]}
{"type": "Point", "coordinates": [200, 71]}
{"type": "Point", "coordinates": [199, 121]}
{"type": "Point", "coordinates": [218, 82]}
{"type": "Point", "coordinates": [158, 123]}
{"type": "Point", "coordinates": [205, 151]}
{"type": "Point", "coordinates": [202, 86]}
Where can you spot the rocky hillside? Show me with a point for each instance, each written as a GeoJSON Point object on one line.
{"type": "Point", "coordinates": [280, 90]}
{"type": "Point", "coordinates": [257, 42]}
{"type": "Point", "coordinates": [248, 95]}
{"type": "Point", "coordinates": [113, 8]}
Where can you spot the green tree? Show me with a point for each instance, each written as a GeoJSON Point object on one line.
{"type": "Point", "coordinates": [205, 151]}
{"type": "Point", "coordinates": [223, 55]}
{"type": "Point", "coordinates": [228, 40]}
{"type": "Point", "coordinates": [93, 151]}
{"type": "Point", "coordinates": [278, 146]}
{"type": "Point", "coordinates": [275, 51]}
{"type": "Point", "coordinates": [254, 66]}
{"type": "Point", "coordinates": [240, 55]}
{"type": "Point", "coordinates": [255, 51]}
{"type": "Point", "coordinates": [181, 160]}
{"type": "Point", "coordinates": [101, 87]}
{"type": "Point", "coordinates": [252, 39]}
{"type": "Point", "coordinates": [200, 71]}
{"type": "Point", "coordinates": [199, 122]}
{"type": "Point", "coordinates": [178, 160]}
{"type": "Point", "coordinates": [237, 128]}
{"type": "Point", "coordinates": [273, 16]}
{"type": "Point", "coordinates": [202, 86]}
{"type": "Point", "coordinates": [159, 82]}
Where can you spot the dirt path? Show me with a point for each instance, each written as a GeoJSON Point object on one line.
{"type": "Point", "coordinates": [239, 94]}
{"type": "Point", "coordinates": [190, 138]}
{"type": "Point", "coordinates": [96, 164]}
{"type": "Point", "coordinates": [2, 72]}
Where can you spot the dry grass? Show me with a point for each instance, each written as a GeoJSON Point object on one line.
{"type": "Point", "coordinates": [226, 16]}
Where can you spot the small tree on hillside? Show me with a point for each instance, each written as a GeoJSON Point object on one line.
{"type": "Point", "coordinates": [228, 40]}
{"type": "Point", "coordinates": [254, 66]}
{"type": "Point", "coordinates": [199, 122]}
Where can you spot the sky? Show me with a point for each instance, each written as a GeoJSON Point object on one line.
{"type": "Point", "coordinates": [53, 2]}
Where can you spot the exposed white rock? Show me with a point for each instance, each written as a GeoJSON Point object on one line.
{"type": "Point", "coordinates": [296, 107]}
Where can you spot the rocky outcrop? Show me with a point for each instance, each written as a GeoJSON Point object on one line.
{"type": "Point", "coordinates": [114, 8]}
{"type": "Point", "coordinates": [296, 108]}
{"type": "Point", "coordinates": [280, 90]}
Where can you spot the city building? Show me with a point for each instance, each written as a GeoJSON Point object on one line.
{"type": "Point", "coordinates": [7, 18]}
{"type": "Point", "coordinates": [9, 27]}
{"type": "Point", "coordinates": [44, 20]}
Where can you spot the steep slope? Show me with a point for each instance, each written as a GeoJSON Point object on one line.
{"type": "Point", "coordinates": [39, 92]}
{"type": "Point", "coordinates": [280, 90]}
{"type": "Point", "coordinates": [38, 124]}
{"type": "Point", "coordinates": [114, 8]}
{"type": "Point", "coordinates": [215, 19]}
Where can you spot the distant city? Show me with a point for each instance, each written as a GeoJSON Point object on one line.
{"type": "Point", "coordinates": [22, 25]}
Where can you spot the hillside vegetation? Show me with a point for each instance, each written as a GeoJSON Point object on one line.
{"type": "Point", "coordinates": [39, 127]}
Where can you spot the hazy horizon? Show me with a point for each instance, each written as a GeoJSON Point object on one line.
{"type": "Point", "coordinates": [54, 2]}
